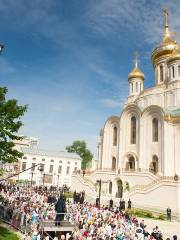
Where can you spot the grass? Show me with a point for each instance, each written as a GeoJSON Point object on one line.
{"type": "Point", "coordinates": [145, 214]}
{"type": "Point", "coordinates": [5, 234]}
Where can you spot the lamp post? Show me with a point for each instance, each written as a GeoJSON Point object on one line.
{"type": "Point", "coordinates": [32, 174]}
{"type": "Point", "coordinates": [1, 47]}
{"type": "Point", "coordinates": [100, 182]}
{"type": "Point", "coordinates": [43, 178]}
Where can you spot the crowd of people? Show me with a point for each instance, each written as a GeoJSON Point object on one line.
{"type": "Point", "coordinates": [28, 206]}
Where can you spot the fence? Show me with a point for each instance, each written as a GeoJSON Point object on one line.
{"type": "Point", "coordinates": [16, 219]}
{"type": "Point", "coordinates": [21, 222]}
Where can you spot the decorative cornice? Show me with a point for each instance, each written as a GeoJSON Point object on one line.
{"type": "Point", "coordinates": [172, 119]}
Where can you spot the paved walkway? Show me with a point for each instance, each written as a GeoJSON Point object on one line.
{"type": "Point", "coordinates": [168, 228]}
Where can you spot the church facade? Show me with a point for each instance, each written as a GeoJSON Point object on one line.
{"type": "Point", "coordinates": [139, 151]}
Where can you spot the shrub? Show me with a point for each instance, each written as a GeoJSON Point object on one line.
{"type": "Point", "coordinates": [68, 194]}
{"type": "Point", "coordinates": [161, 217]}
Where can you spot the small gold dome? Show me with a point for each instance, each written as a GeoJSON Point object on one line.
{"type": "Point", "coordinates": [165, 49]}
{"type": "Point", "coordinates": [136, 72]}
{"type": "Point", "coordinates": [175, 54]}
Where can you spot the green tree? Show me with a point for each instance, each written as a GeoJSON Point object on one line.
{"type": "Point", "coordinates": [10, 114]}
{"type": "Point", "coordinates": [81, 149]}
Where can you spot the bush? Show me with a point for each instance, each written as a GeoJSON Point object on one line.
{"type": "Point", "coordinates": [141, 213]}
{"type": "Point", "coordinates": [161, 217]}
{"type": "Point", "coordinates": [68, 194]}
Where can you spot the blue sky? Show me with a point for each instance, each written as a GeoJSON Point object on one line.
{"type": "Point", "coordinates": [69, 61]}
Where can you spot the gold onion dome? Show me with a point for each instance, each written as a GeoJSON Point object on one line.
{"type": "Point", "coordinates": [136, 72]}
{"type": "Point", "coordinates": [175, 54]}
{"type": "Point", "coordinates": [165, 49]}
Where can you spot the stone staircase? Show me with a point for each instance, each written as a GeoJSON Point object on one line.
{"type": "Point", "coordinates": [80, 183]}
{"type": "Point", "coordinates": [151, 186]}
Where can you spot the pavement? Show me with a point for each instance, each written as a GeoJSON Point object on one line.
{"type": "Point", "coordinates": [167, 228]}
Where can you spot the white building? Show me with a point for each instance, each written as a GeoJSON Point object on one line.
{"type": "Point", "coordinates": [139, 151]}
{"type": "Point", "coordinates": [56, 167]}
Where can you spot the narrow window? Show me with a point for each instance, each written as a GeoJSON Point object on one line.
{"type": "Point", "coordinates": [155, 130]}
{"type": "Point", "coordinates": [33, 167]}
{"type": "Point", "coordinates": [113, 164]}
{"type": "Point", "coordinates": [42, 167]}
{"type": "Point", "coordinates": [67, 170]}
{"type": "Point", "coordinates": [161, 74]}
{"type": "Point", "coordinates": [132, 87]}
{"type": "Point", "coordinates": [178, 71]}
{"type": "Point", "coordinates": [75, 169]}
{"type": "Point", "coordinates": [115, 136]}
{"type": "Point", "coordinates": [110, 188]}
{"type": "Point", "coordinates": [60, 169]}
{"type": "Point", "coordinates": [136, 87]}
{"type": "Point", "coordinates": [51, 168]}
{"type": "Point", "coordinates": [173, 72]}
{"type": "Point", "coordinates": [133, 130]}
{"type": "Point", "coordinates": [23, 166]}
{"type": "Point", "coordinates": [169, 73]}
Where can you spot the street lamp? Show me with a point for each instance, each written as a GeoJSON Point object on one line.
{"type": "Point", "coordinates": [32, 174]}
{"type": "Point", "coordinates": [1, 47]}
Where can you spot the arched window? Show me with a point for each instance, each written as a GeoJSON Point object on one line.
{"type": "Point", "coordinates": [115, 136]}
{"type": "Point", "coordinates": [169, 70]}
{"type": "Point", "coordinates": [113, 164]}
{"type": "Point", "coordinates": [173, 72]}
{"type": "Point", "coordinates": [110, 188]}
{"type": "Point", "coordinates": [178, 71]}
{"type": "Point", "coordinates": [161, 74]}
{"type": "Point", "coordinates": [155, 130]}
{"type": "Point", "coordinates": [133, 130]}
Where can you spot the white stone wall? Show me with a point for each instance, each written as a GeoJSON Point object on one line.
{"type": "Point", "coordinates": [58, 179]}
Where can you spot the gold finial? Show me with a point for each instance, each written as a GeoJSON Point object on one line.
{"type": "Point", "coordinates": [136, 59]}
{"type": "Point", "coordinates": [166, 26]}
{"type": "Point", "coordinates": [136, 73]}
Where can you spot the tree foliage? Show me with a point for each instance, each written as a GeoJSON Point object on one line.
{"type": "Point", "coordinates": [10, 114]}
{"type": "Point", "coordinates": [81, 149]}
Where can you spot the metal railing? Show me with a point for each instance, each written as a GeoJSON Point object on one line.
{"type": "Point", "coordinates": [16, 219]}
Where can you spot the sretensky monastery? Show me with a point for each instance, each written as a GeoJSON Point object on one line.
{"type": "Point", "coordinates": [139, 151]}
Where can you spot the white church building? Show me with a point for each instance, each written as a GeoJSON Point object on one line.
{"type": "Point", "coordinates": [139, 151]}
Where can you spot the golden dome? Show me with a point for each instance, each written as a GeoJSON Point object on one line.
{"type": "Point", "coordinates": [175, 54]}
{"type": "Point", "coordinates": [165, 49]}
{"type": "Point", "coordinates": [136, 72]}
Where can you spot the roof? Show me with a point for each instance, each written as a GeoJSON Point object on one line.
{"type": "Point", "coordinates": [171, 111]}
{"type": "Point", "coordinates": [41, 152]}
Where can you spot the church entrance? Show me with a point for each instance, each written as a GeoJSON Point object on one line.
{"type": "Point", "coordinates": [130, 165]}
{"type": "Point", "coordinates": [119, 192]}
{"type": "Point", "coordinates": [154, 165]}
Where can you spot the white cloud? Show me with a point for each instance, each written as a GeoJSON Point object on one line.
{"type": "Point", "coordinates": [110, 103]}
{"type": "Point", "coordinates": [138, 16]}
